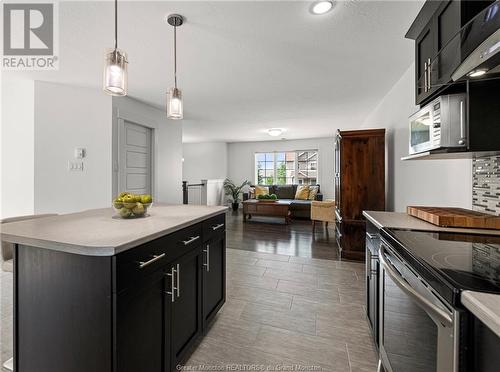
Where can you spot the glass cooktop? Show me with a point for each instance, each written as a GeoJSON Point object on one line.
{"type": "Point", "coordinates": [458, 261]}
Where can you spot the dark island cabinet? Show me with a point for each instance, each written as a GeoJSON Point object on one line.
{"type": "Point", "coordinates": [214, 276]}
{"type": "Point", "coordinates": [140, 310]}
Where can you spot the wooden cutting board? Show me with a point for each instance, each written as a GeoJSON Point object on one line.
{"type": "Point", "coordinates": [455, 217]}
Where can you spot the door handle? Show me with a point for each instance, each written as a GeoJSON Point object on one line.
{"type": "Point", "coordinates": [207, 251]}
{"type": "Point", "coordinates": [178, 288]}
{"type": "Point", "coordinates": [171, 274]}
{"type": "Point", "coordinates": [423, 302]}
{"type": "Point", "coordinates": [155, 258]}
{"type": "Point", "coordinates": [429, 71]}
{"type": "Point", "coordinates": [191, 240]}
{"type": "Point", "coordinates": [217, 227]}
{"type": "Point", "coordinates": [425, 76]}
{"type": "Point", "coordinates": [462, 139]}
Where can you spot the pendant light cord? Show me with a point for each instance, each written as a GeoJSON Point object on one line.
{"type": "Point", "coordinates": [116, 24]}
{"type": "Point", "coordinates": [175, 57]}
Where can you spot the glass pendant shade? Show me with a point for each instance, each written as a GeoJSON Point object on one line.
{"type": "Point", "coordinates": [174, 104]}
{"type": "Point", "coordinates": [115, 72]}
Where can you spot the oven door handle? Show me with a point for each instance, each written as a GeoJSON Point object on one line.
{"type": "Point", "coordinates": [423, 302]}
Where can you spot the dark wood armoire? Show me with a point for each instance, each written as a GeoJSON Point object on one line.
{"type": "Point", "coordinates": [359, 186]}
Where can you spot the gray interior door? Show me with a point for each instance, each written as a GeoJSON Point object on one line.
{"type": "Point", "coordinates": [135, 174]}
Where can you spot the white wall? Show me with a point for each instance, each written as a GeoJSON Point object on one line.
{"type": "Point", "coordinates": [417, 182]}
{"type": "Point", "coordinates": [204, 161]}
{"type": "Point", "coordinates": [168, 147]}
{"type": "Point", "coordinates": [67, 117]}
{"type": "Point", "coordinates": [241, 159]}
{"type": "Point", "coordinates": [17, 140]}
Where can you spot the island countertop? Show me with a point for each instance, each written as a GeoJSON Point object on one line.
{"type": "Point", "coordinates": [97, 232]}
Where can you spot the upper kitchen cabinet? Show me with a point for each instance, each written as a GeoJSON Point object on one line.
{"type": "Point", "coordinates": [440, 43]}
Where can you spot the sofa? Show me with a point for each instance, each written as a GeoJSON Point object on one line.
{"type": "Point", "coordinates": [286, 193]}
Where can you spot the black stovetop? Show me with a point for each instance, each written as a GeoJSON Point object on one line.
{"type": "Point", "coordinates": [451, 262]}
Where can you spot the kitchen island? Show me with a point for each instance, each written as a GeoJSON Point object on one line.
{"type": "Point", "coordinates": [96, 293]}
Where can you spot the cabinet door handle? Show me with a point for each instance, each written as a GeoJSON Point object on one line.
{"type": "Point", "coordinates": [425, 76]}
{"type": "Point", "coordinates": [191, 240]}
{"type": "Point", "coordinates": [171, 274]}
{"type": "Point", "coordinates": [217, 227]}
{"type": "Point", "coordinates": [207, 251]}
{"type": "Point", "coordinates": [155, 258]}
{"type": "Point", "coordinates": [429, 71]}
{"type": "Point", "coordinates": [178, 280]}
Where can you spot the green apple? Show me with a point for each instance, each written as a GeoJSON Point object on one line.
{"type": "Point", "coordinates": [146, 199]}
{"type": "Point", "coordinates": [138, 210]}
{"type": "Point", "coordinates": [129, 201]}
{"type": "Point", "coordinates": [122, 194]}
{"type": "Point", "coordinates": [125, 213]}
{"type": "Point", "coordinates": [118, 203]}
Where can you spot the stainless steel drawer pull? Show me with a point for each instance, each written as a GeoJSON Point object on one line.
{"type": "Point", "coordinates": [155, 258]}
{"type": "Point", "coordinates": [171, 274]}
{"type": "Point", "coordinates": [217, 227]}
{"type": "Point", "coordinates": [207, 251]}
{"type": "Point", "coordinates": [191, 240]}
{"type": "Point", "coordinates": [178, 271]}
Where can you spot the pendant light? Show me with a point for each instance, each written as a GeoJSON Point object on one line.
{"type": "Point", "coordinates": [174, 95]}
{"type": "Point", "coordinates": [115, 66]}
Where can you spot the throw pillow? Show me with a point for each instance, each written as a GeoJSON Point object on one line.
{"type": "Point", "coordinates": [261, 190]}
{"type": "Point", "coordinates": [302, 192]}
{"type": "Point", "coordinates": [313, 191]}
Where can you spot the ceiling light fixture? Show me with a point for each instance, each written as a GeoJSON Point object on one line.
{"type": "Point", "coordinates": [322, 7]}
{"type": "Point", "coordinates": [174, 95]}
{"type": "Point", "coordinates": [275, 132]}
{"type": "Point", "coordinates": [476, 73]}
{"type": "Point", "coordinates": [115, 66]}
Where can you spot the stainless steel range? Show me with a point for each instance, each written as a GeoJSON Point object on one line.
{"type": "Point", "coordinates": [423, 326]}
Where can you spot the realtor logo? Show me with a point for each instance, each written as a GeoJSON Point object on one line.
{"type": "Point", "coordinates": [29, 37]}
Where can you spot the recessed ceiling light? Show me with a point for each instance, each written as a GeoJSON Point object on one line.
{"type": "Point", "coordinates": [322, 7]}
{"type": "Point", "coordinates": [476, 73]}
{"type": "Point", "coordinates": [275, 132]}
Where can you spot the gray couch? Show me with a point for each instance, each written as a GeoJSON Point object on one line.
{"type": "Point", "coordinates": [286, 193]}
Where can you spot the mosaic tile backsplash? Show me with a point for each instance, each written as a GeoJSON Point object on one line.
{"type": "Point", "coordinates": [486, 185]}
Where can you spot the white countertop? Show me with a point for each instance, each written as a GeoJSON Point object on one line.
{"type": "Point", "coordinates": [485, 306]}
{"type": "Point", "coordinates": [404, 221]}
{"type": "Point", "coordinates": [97, 232]}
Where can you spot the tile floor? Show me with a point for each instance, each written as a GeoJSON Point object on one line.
{"type": "Point", "coordinates": [289, 311]}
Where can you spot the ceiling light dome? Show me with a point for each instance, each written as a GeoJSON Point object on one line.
{"type": "Point", "coordinates": [275, 132]}
{"type": "Point", "coordinates": [322, 7]}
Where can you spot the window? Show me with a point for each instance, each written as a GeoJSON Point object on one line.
{"type": "Point", "coordinates": [290, 167]}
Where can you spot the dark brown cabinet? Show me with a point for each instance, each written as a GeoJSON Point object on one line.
{"type": "Point", "coordinates": [438, 43]}
{"type": "Point", "coordinates": [142, 316]}
{"type": "Point", "coordinates": [359, 185]}
{"type": "Point", "coordinates": [141, 310]}
{"type": "Point", "coordinates": [185, 302]}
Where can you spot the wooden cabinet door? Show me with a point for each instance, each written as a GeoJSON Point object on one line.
{"type": "Point", "coordinates": [141, 327]}
{"type": "Point", "coordinates": [186, 322]}
{"type": "Point", "coordinates": [214, 277]}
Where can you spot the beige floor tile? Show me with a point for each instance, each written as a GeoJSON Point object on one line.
{"type": "Point", "coordinates": [307, 290]}
{"type": "Point", "coordinates": [362, 358]}
{"type": "Point", "coordinates": [269, 315]}
{"type": "Point", "coordinates": [262, 296]}
{"type": "Point", "coordinates": [280, 265]}
{"type": "Point", "coordinates": [329, 309]}
{"type": "Point", "coordinates": [352, 296]}
{"type": "Point", "coordinates": [234, 331]}
{"type": "Point", "coordinates": [242, 260]}
{"type": "Point", "coordinates": [355, 332]}
{"type": "Point", "coordinates": [242, 279]}
{"type": "Point", "coordinates": [292, 276]}
{"type": "Point", "coordinates": [269, 256]}
{"type": "Point", "coordinates": [232, 308]}
{"type": "Point", "coordinates": [313, 261]}
{"type": "Point", "coordinates": [312, 350]}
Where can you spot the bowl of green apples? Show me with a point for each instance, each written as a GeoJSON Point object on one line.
{"type": "Point", "coordinates": [129, 205]}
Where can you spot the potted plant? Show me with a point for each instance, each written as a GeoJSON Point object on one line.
{"type": "Point", "coordinates": [234, 192]}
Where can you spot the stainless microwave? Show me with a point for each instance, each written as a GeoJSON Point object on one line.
{"type": "Point", "coordinates": [441, 124]}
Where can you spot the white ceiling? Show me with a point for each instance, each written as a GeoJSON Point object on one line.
{"type": "Point", "coordinates": [245, 66]}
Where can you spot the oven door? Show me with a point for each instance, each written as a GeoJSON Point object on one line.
{"type": "Point", "coordinates": [421, 131]}
{"type": "Point", "coordinates": [417, 329]}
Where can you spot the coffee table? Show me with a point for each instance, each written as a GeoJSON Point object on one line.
{"type": "Point", "coordinates": [266, 208]}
